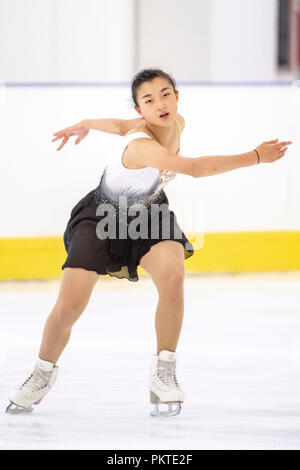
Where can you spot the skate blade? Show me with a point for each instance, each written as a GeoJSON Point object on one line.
{"type": "Point", "coordinates": [14, 409]}
{"type": "Point", "coordinates": [169, 412]}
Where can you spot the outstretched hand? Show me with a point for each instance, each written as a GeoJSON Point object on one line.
{"type": "Point", "coordinates": [272, 150]}
{"type": "Point", "coordinates": [78, 129]}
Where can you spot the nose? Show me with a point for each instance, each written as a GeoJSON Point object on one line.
{"type": "Point", "coordinates": [160, 107]}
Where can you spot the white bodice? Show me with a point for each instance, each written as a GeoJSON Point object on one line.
{"type": "Point", "coordinates": [138, 183]}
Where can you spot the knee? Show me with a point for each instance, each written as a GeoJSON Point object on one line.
{"type": "Point", "coordinates": [172, 281]}
{"type": "Point", "coordinates": [65, 314]}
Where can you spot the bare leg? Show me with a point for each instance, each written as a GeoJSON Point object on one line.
{"type": "Point", "coordinates": [165, 263]}
{"type": "Point", "coordinates": [169, 318]}
{"type": "Point", "coordinates": [75, 291]}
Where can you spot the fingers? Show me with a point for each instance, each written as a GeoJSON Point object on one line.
{"type": "Point", "coordinates": [279, 144]}
{"type": "Point", "coordinates": [281, 153]}
{"type": "Point", "coordinates": [67, 130]}
{"type": "Point", "coordinates": [61, 132]}
{"type": "Point", "coordinates": [63, 143]}
{"type": "Point", "coordinates": [59, 135]}
{"type": "Point", "coordinates": [66, 133]}
{"type": "Point", "coordinates": [283, 144]}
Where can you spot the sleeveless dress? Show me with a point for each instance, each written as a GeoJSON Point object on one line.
{"type": "Point", "coordinates": [135, 207]}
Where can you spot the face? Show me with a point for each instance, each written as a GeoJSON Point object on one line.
{"type": "Point", "coordinates": [157, 97]}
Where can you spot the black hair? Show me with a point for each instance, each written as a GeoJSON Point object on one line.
{"type": "Point", "coordinates": [146, 75]}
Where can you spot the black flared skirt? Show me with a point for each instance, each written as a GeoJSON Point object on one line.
{"type": "Point", "coordinates": [118, 254]}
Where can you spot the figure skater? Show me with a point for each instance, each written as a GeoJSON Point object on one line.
{"type": "Point", "coordinates": [148, 160]}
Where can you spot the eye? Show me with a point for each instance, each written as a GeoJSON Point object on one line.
{"type": "Point", "coordinates": [150, 100]}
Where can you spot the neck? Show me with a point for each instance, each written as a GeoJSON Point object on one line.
{"type": "Point", "coordinates": [160, 133]}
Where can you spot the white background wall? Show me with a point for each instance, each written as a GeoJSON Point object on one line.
{"type": "Point", "coordinates": [176, 36]}
{"type": "Point", "coordinates": [39, 186]}
{"type": "Point", "coordinates": [244, 40]}
{"type": "Point", "coordinates": [83, 41]}
{"type": "Point", "coordinates": [101, 40]}
{"type": "Point", "coordinates": [215, 40]}
{"type": "Point", "coordinates": [66, 40]}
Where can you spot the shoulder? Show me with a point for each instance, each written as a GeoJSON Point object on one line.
{"type": "Point", "coordinates": [134, 130]}
{"type": "Point", "coordinates": [138, 126]}
{"type": "Point", "coordinates": [127, 124]}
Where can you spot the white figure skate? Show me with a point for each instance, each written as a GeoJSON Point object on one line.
{"type": "Point", "coordinates": [33, 390]}
{"type": "Point", "coordinates": [164, 387]}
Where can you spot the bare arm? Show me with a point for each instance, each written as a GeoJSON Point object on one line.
{"type": "Point", "coordinates": [112, 125]}
{"type": "Point", "coordinates": [209, 166]}
{"type": "Point", "coordinates": [82, 128]}
{"type": "Point", "coordinates": [147, 152]}
{"type": "Point", "coordinates": [128, 124]}
{"type": "Point", "coordinates": [109, 125]}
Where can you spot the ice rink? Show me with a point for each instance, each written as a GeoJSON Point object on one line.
{"type": "Point", "coordinates": [238, 363]}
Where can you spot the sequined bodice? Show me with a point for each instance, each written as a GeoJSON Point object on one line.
{"type": "Point", "coordinates": [142, 184]}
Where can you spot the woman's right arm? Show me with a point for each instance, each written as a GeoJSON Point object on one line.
{"type": "Point", "coordinates": [112, 125]}
{"type": "Point", "coordinates": [82, 128]}
{"type": "Point", "coordinates": [147, 152]}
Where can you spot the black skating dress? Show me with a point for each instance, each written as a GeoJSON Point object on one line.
{"type": "Point", "coordinates": [113, 226]}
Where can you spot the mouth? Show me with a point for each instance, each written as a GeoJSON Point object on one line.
{"type": "Point", "coordinates": [164, 115]}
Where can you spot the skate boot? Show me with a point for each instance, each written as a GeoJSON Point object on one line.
{"type": "Point", "coordinates": [164, 388]}
{"type": "Point", "coordinates": [33, 390]}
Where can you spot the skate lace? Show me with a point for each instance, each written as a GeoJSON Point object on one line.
{"type": "Point", "coordinates": [36, 380]}
{"type": "Point", "coordinates": [166, 372]}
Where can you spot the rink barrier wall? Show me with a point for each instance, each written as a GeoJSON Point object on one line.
{"type": "Point", "coordinates": [42, 257]}
{"type": "Point", "coordinates": [40, 186]}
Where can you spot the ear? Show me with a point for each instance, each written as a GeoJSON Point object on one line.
{"type": "Point", "coordinates": [176, 94]}
{"type": "Point", "coordinates": [138, 110]}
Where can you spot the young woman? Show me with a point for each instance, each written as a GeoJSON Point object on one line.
{"type": "Point", "coordinates": [149, 159]}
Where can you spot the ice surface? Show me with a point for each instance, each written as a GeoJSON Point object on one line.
{"type": "Point", "coordinates": [238, 363]}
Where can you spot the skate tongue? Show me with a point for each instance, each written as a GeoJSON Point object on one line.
{"type": "Point", "coordinates": [166, 355]}
{"type": "Point", "coordinates": [44, 365]}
